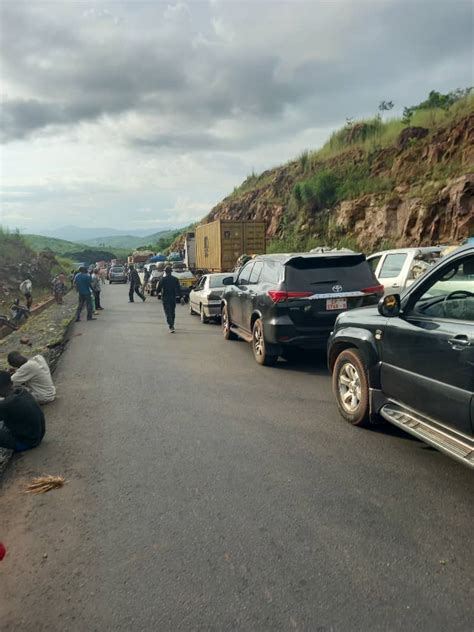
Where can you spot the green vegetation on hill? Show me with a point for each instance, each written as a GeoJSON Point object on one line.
{"type": "Point", "coordinates": [59, 246]}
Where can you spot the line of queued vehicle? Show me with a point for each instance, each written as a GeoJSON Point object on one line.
{"type": "Point", "coordinates": [406, 358]}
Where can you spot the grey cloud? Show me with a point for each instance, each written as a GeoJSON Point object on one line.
{"type": "Point", "coordinates": [76, 68]}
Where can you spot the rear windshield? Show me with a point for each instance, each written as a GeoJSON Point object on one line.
{"type": "Point", "coordinates": [216, 281]}
{"type": "Point", "coordinates": [320, 274]}
{"type": "Point", "coordinates": [116, 269]}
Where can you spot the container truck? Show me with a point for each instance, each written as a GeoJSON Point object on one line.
{"type": "Point", "coordinates": [219, 244]}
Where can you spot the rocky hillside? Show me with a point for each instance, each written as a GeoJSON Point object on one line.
{"type": "Point", "coordinates": [18, 262]}
{"type": "Point", "coordinates": [373, 185]}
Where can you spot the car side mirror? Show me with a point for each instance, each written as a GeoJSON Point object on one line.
{"type": "Point", "coordinates": [389, 306]}
{"type": "Point", "coordinates": [228, 281]}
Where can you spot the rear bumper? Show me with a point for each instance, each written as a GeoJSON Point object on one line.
{"type": "Point", "coordinates": [282, 331]}
{"type": "Point", "coordinates": [212, 309]}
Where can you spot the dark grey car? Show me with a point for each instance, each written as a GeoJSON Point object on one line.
{"type": "Point", "coordinates": [283, 302]}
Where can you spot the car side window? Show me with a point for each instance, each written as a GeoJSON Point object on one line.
{"type": "Point", "coordinates": [256, 271]}
{"type": "Point", "coordinates": [450, 293]}
{"type": "Point", "coordinates": [392, 265]}
{"type": "Point", "coordinates": [244, 275]}
{"type": "Point", "coordinates": [201, 283]}
{"type": "Point", "coordinates": [374, 262]}
{"type": "Point", "coordinates": [270, 273]}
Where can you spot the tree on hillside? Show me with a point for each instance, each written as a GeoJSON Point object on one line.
{"type": "Point", "coordinates": [385, 106]}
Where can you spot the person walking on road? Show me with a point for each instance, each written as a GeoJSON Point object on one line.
{"type": "Point", "coordinates": [170, 290]}
{"type": "Point", "coordinates": [95, 279]}
{"type": "Point", "coordinates": [83, 283]}
{"type": "Point", "coordinates": [135, 285]}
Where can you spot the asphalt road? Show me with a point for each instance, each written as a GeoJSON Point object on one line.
{"type": "Point", "coordinates": [208, 493]}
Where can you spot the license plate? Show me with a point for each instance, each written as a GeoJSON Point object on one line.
{"type": "Point", "coordinates": [336, 303]}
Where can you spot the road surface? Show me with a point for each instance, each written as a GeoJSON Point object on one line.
{"type": "Point", "coordinates": [208, 493]}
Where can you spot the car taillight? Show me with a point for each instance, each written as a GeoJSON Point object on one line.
{"type": "Point", "coordinates": [278, 296]}
{"type": "Point", "coordinates": [373, 289]}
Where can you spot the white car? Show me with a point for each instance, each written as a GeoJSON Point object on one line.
{"type": "Point", "coordinates": [205, 298]}
{"type": "Point", "coordinates": [398, 269]}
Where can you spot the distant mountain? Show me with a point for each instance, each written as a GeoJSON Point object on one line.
{"type": "Point", "coordinates": [71, 249]}
{"type": "Point", "coordinates": [129, 241]}
{"type": "Point", "coordinates": [83, 235]}
{"type": "Point", "coordinates": [117, 241]}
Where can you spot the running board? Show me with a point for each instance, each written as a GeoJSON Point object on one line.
{"type": "Point", "coordinates": [241, 333]}
{"type": "Point", "coordinates": [457, 448]}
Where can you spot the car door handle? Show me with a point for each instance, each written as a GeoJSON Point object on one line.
{"type": "Point", "coordinates": [395, 285]}
{"type": "Point", "coordinates": [459, 342]}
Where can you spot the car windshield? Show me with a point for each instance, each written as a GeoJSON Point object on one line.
{"type": "Point", "coordinates": [320, 274]}
{"type": "Point", "coordinates": [216, 281]}
{"type": "Point", "coordinates": [117, 270]}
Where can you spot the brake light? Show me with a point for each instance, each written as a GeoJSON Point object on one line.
{"type": "Point", "coordinates": [278, 296]}
{"type": "Point", "coordinates": [374, 289]}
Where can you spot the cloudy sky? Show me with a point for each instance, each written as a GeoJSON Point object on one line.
{"type": "Point", "coordinates": [145, 114]}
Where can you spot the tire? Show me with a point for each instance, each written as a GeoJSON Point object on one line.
{"type": "Point", "coordinates": [226, 332]}
{"type": "Point", "coordinates": [260, 347]}
{"type": "Point", "coordinates": [202, 316]}
{"type": "Point", "coordinates": [351, 387]}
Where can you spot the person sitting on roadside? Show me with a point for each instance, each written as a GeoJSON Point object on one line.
{"type": "Point", "coordinates": [19, 313]}
{"type": "Point", "coordinates": [22, 423]}
{"type": "Point", "coordinates": [34, 375]}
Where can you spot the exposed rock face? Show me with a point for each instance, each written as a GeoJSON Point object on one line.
{"type": "Point", "coordinates": [411, 133]}
{"type": "Point", "coordinates": [432, 200]}
{"type": "Point", "coordinates": [405, 221]}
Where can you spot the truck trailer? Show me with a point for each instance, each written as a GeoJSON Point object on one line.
{"type": "Point", "coordinates": [219, 244]}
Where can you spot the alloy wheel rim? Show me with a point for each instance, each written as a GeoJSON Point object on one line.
{"type": "Point", "coordinates": [225, 321]}
{"type": "Point", "coordinates": [349, 386]}
{"type": "Point", "coordinates": [258, 340]}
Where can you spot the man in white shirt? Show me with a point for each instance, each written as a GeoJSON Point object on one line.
{"type": "Point", "coordinates": [34, 375]}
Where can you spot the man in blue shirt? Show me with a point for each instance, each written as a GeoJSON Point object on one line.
{"type": "Point", "coordinates": [83, 283]}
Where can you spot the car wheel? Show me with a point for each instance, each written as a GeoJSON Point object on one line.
{"type": "Point", "coordinates": [226, 332]}
{"type": "Point", "coordinates": [203, 317]}
{"type": "Point", "coordinates": [259, 345]}
{"type": "Point", "coordinates": [351, 387]}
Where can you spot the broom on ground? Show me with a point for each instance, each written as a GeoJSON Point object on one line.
{"type": "Point", "coordinates": [42, 484]}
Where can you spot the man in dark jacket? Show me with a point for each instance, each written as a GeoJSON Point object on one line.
{"type": "Point", "coordinates": [83, 284]}
{"type": "Point", "coordinates": [135, 285]}
{"type": "Point", "coordinates": [22, 425]}
{"type": "Point", "coordinates": [170, 290]}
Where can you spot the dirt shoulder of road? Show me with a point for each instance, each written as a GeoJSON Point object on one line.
{"type": "Point", "coordinates": [47, 334]}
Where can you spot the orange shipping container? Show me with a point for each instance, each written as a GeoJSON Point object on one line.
{"type": "Point", "coordinates": [220, 243]}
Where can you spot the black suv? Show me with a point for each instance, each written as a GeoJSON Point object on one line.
{"type": "Point", "coordinates": [411, 361]}
{"type": "Point", "coordinates": [281, 302]}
